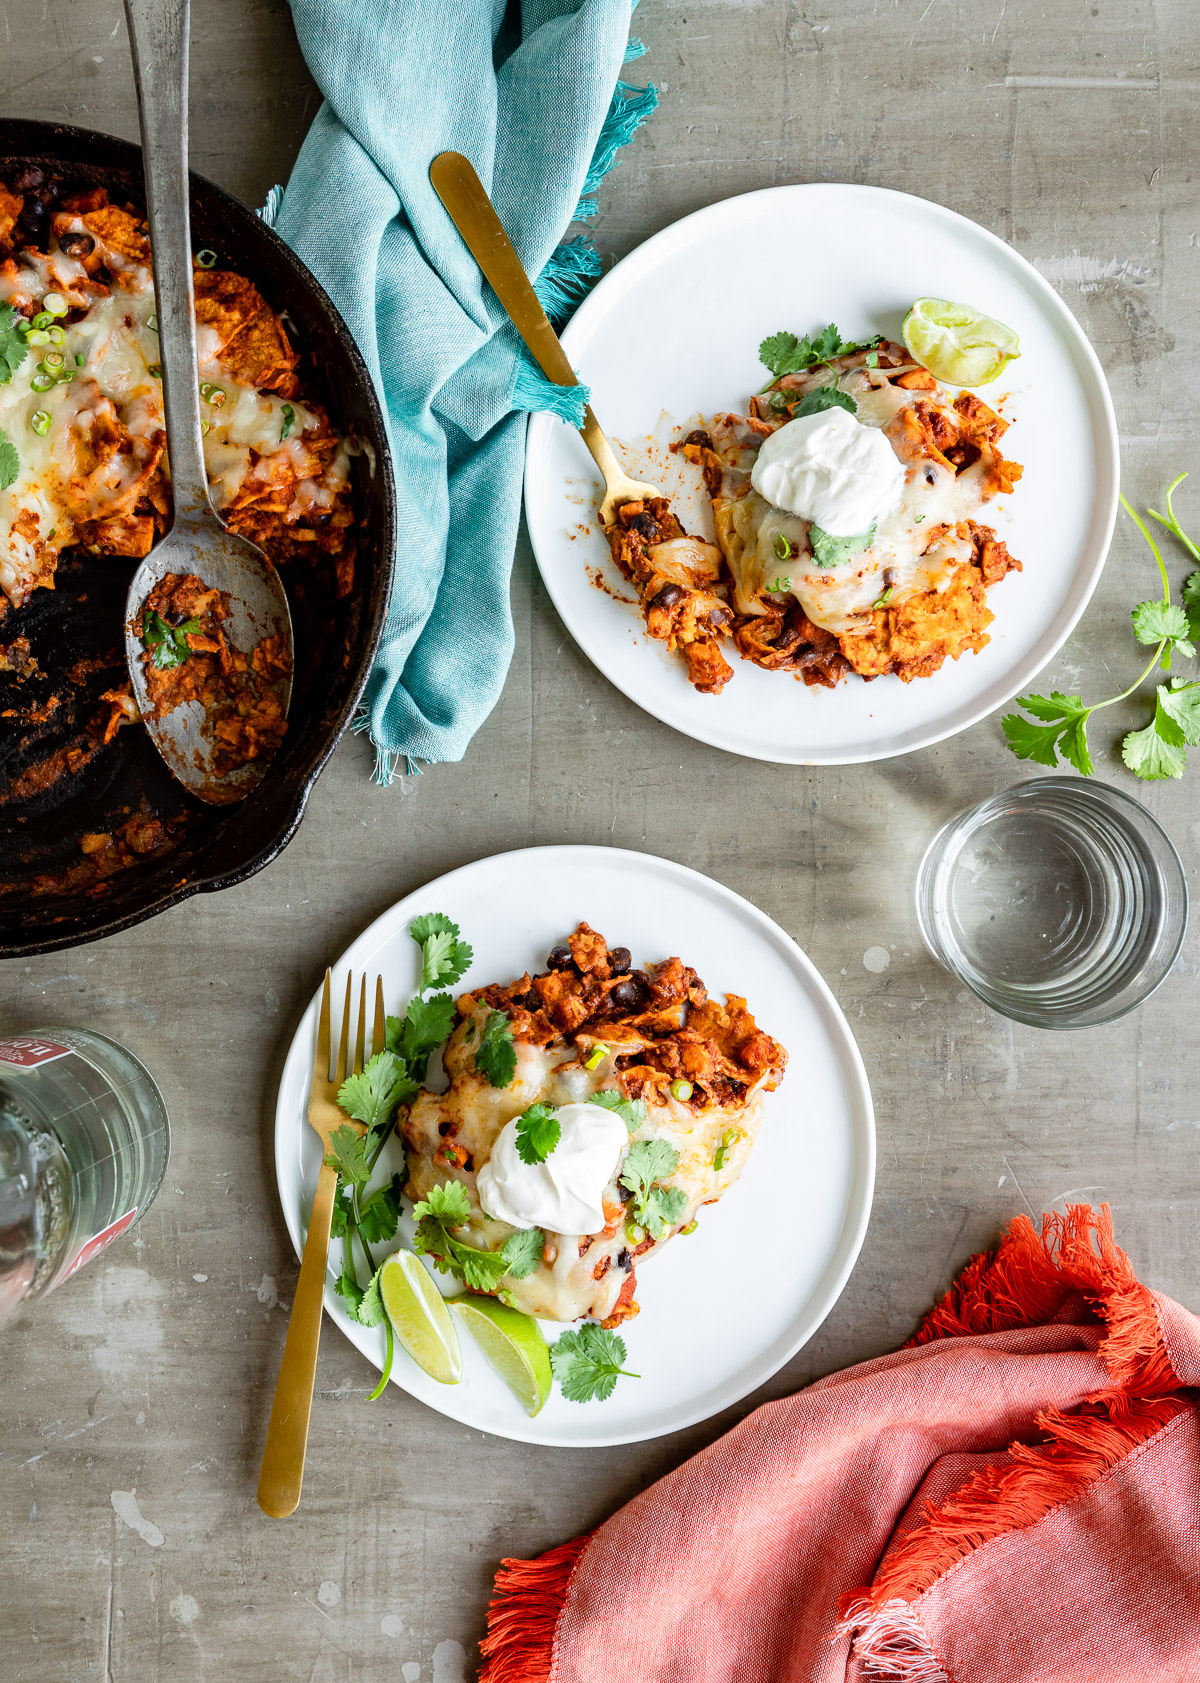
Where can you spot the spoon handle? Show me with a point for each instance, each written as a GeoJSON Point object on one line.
{"type": "Point", "coordinates": [158, 37]}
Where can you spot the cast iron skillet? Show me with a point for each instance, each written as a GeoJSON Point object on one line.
{"type": "Point", "coordinates": [337, 640]}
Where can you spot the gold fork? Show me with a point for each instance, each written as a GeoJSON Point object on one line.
{"type": "Point", "coordinates": [282, 1473]}
{"type": "Point", "coordinates": [473, 214]}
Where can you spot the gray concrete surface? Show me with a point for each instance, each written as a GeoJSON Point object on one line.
{"type": "Point", "coordinates": [1068, 128]}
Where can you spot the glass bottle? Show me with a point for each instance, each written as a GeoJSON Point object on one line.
{"type": "Point", "coordinates": [84, 1142]}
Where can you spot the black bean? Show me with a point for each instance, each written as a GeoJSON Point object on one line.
{"type": "Point", "coordinates": [647, 526]}
{"type": "Point", "coordinates": [624, 1260]}
{"type": "Point", "coordinates": [33, 218]}
{"type": "Point", "coordinates": [46, 195]}
{"type": "Point", "coordinates": [560, 957]}
{"type": "Point", "coordinates": [77, 245]}
{"type": "Point", "coordinates": [619, 960]}
{"type": "Point", "coordinates": [624, 995]}
{"type": "Point", "coordinates": [668, 596]}
{"type": "Point", "coordinates": [27, 179]}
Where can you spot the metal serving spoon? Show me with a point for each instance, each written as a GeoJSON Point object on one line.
{"type": "Point", "coordinates": [197, 542]}
{"type": "Point", "coordinates": [473, 214]}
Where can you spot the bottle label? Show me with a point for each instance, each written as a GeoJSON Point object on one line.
{"type": "Point", "coordinates": [26, 1051]}
{"type": "Point", "coordinates": [94, 1246]}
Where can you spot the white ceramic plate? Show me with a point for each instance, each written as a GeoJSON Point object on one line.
{"type": "Point", "coordinates": [676, 327]}
{"type": "Point", "coordinates": [730, 1303]}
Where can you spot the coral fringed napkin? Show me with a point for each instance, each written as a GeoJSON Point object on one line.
{"type": "Point", "coordinates": [1014, 1495]}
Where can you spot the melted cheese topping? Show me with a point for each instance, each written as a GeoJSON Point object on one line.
{"type": "Point", "coordinates": [86, 446]}
{"type": "Point", "coordinates": [916, 546]}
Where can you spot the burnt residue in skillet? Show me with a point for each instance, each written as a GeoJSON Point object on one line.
{"type": "Point", "coordinates": [65, 643]}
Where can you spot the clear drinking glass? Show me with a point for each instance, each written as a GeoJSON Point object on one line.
{"type": "Point", "coordinates": [84, 1142]}
{"type": "Point", "coordinates": [1060, 902]}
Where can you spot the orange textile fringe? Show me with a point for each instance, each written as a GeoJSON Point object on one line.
{"type": "Point", "coordinates": [1029, 1281]}
{"type": "Point", "coordinates": [523, 1615]}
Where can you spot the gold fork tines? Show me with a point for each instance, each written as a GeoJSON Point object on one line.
{"type": "Point", "coordinates": [282, 1474]}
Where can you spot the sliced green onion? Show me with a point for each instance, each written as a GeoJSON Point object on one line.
{"type": "Point", "coordinates": [691, 1226]}
{"type": "Point", "coordinates": [39, 421]}
{"type": "Point", "coordinates": [782, 546]}
{"type": "Point", "coordinates": [883, 600]}
{"type": "Point", "coordinates": [779, 401]}
{"type": "Point", "coordinates": [42, 382]}
{"type": "Point", "coordinates": [598, 1055]}
{"type": "Point", "coordinates": [681, 1089]}
{"type": "Point", "coordinates": [155, 370]}
{"type": "Point", "coordinates": [42, 319]}
{"type": "Point", "coordinates": [55, 304]}
{"type": "Point", "coordinates": [214, 395]}
{"type": "Point", "coordinates": [37, 337]}
{"type": "Point", "coordinates": [872, 359]}
{"type": "Point", "coordinates": [634, 1233]}
{"type": "Point", "coordinates": [80, 359]}
{"type": "Point", "coordinates": [52, 362]}
{"type": "Point", "coordinates": [55, 335]}
{"type": "Point", "coordinates": [206, 259]}
{"type": "Point", "coordinates": [152, 323]}
{"type": "Point", "coordinates": [51, 533]}
{"type": "Point", "coordinates": [65, 377]}
{"type": "Point", "coordinates": [205, 429]}
{"type": "Point", "coordinates": [289, 415]}
{"type": "Point", "coordinates": [728, 1138]}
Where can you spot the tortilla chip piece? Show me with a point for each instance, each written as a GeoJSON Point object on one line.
{"type": "Point", "coordinates": [251, 342]}
{"type": "Point", "coordinates": [11, 205]}
{"type": "Point", "coordinates": [120, 231]}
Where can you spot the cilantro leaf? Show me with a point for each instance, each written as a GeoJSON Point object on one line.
{"type": "Point", "coordinates": [348, 1154]}
{"type": "Point", "coordinates": [370, 1307]}
{"type": "Point", "coordinates": [168, 644]}
{"type": "Point", "coordinates": [428, 1023]}
{"type": "Point", "coordinates": [523, 1251]}
{"type": "Point", "coordinates": [444, 958]}
{"type": "Point", "coordinates": [1182, 703]}
{"type": "Point", "coordinates": [631, 1111]}
{"type": "Point", "coordinates": [1163, 622]}
{"type": "Point", "coordinates": [496, 1054]}
{"type": "Point", "coordinates": [343, 1211]}
{"type": "Point", "coordinates": [372, 1096]}
{"type": "Point", "coordinates": [446, 1202]}
{"type": "Point", "coordinates": [10, 461]}
{"type": "Point", "coordinates": [829, 551]}
{"type": "Point", "coordinates": [13, 349]}
{"type": "Point", "coordinates": [1157, 751]}
{"type": "Point", "coordinates": [380, 1213]}
{"type": "Point", "coordinates": [1191, 605]}
{"type": "Point", "coordinates": [784, 353]}
{"type": "Point", "coordinates": [825, 397]}
{"type": "Point", "coordinates": [661, 1209]}
{"type": "Point", "coordinates": [654, 1207]}
{"type": "Point", "coordinates": [1065, 731]}
{"type": "Point", "coordinates": [346, 1285]}
{"type": "Point", "coordinates": [538, 1132]}
{"type": "Point", "coordinates": [587, 1361]}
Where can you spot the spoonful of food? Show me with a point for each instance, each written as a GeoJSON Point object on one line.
{"type": "Point", "coordinates": [208, 633]}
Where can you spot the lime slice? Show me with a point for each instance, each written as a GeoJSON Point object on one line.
{"type": "Point", "coordinates": [513, 1343]}
{"type": "Point", "coordinates": [418, 1312]}
{"type": "Point", "coordinates": [957, 343]}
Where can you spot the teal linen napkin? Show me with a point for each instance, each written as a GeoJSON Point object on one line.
{"type": "Point", "coordinates": [538, 108]}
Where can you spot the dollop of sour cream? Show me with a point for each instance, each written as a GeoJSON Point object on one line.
{"type": "Point", "coordinates": [830, 469]}
{"type": "Point", "coordinates": [565, 1193]}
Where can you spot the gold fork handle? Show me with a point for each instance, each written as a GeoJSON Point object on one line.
{"type": "Point", "coordinates": [472, 213]}
{"type": "Point", "coordinates": [282, 1472]}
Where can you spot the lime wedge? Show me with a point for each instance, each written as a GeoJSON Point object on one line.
{"type": "Point", "coordinates": [957, 343]}
{"type": "Point", "coordinates": [513, 1343]}
{"type": "Point", "coordinates": [419, 1315]}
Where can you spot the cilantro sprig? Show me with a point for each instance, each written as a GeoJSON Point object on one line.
{"type": "Point", "coordinates": [831, 551]}
{"type": "Point", "coordinates": [392, 1077]}
{"type": "Point", "coordinates": [1159, 749]}
{"type": "Point", "coordinates": [10, 461]}
{"type": "Point", "coordinates": [13, 349]}
{"type": "Point", "coordinates": [167, 643]}
{"type": "Point", "coordinates": [496, 1053]}
{"type": "Point", "coordinates": [587, 1362]}
{"type": "Point", "coordinates": [784, 353]}
{"type": "Point", "coordinates": [446, 1209]}
{"type": "Point", "coordinates": [538, 1132]}
{"type": "Point", "coordinates": [631, 1111]}
{"type": "Point", "coordinates": [654, 1207]}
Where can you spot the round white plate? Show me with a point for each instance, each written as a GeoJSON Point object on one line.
{"type": "Point", "coordinates": [676, 327]}
{"type": "Point", "coordinates": [730, 1303]}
